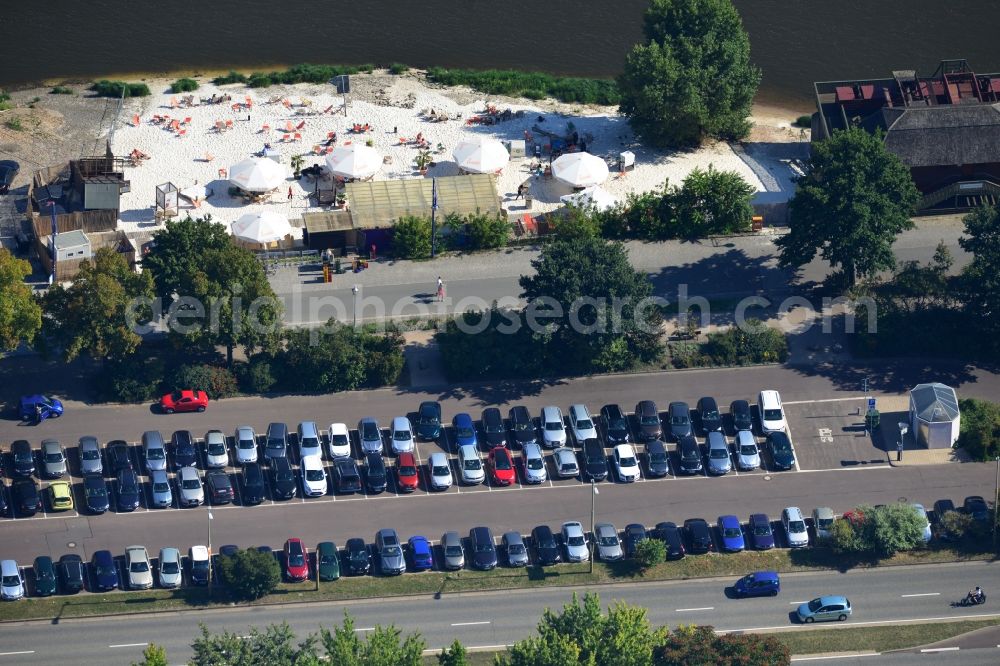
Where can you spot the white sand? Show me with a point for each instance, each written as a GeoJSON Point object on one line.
{"type": "Point", "coordinates": [182, 160]}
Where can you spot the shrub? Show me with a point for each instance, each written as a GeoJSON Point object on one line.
{"type": "Point", "coordinates": [231, 77]}
{"type": "Point", "coordinates": [4, 96]}
{"type": "Point", "coordinates": [650, 552]}
{"type": "Point", "coordinates": [398, 68]}
{"type": "Point", "coordinates": [61, 90]}
{"type": "Point", "coordinates": [216, 381]}
{"type": "Point", "coordinates": [250, 574]}
{"type": "Point", "coordinates": [453, 655]}
{"type": "Point", "coordinates": [751, 343]}
{"type": "Point", "coordinates": [411, 238]}
{"type": "Point", "coordinates": [803, 121]}
{"type": "Point", "coordinates": [258, 375]}
{"type": "Point", "coordinates": [534, 85]}
{"type": "Point", "coordinates": [136, 379]}
{"type": "Point", "coordinates": [339, 358]}
{"type": "Point", "coordinates": [879, 531]}
{"type": "Point", "coordinates": [183, 85]}
{"type": "Point", "coordinates": [487, 232]}
{"type": "Point", "coordinates": [14, 124]}
{"type": "Point", "coordinates": [980, 429]}
{"type": "Point", "coordinates": [106, 88]}
{"type": "Point", "coordinates": [956, 524]}
{"type": "Point", "coordinates": [259, 80]}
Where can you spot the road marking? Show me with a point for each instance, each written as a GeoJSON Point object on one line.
{"type": "Point", "coordinates": [11, 654]}
{"type": "Point", "coordinates": [944, 649]}
{"type": "Point", "coordinates": [825, 434]}
{"type": "Point", "coordinates": [837, 656]}
{"type": "Point", "coordinates": [682, 610]}
{"type": "Point", "coordinates": [365, 629]}
{"type": "Point", "coordinates": [470, 648]}
{"type": "Point", "coordinates": [469, 624]}
{"type": "Point", "coordinates": [922, 594]}
{"type": "Point", "coordinates": [121, 645]}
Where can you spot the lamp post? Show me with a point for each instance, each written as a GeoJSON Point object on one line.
{"type": "Point", "coordinates": [355, 290]}
{"type": "Point", "coordinates": [996, 496]}
{"type": "Point", "coordinates": [593, 519]}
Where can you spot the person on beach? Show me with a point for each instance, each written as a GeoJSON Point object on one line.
{"type": "Point", "coordinates": [289, 194]}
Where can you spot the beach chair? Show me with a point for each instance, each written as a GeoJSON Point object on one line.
{"type": "Point", "coordinates": [209, 157]}
{"type": "Point", "coordinates": [175, 125]}
{"type": "Point", "coordinates": [328, 109]}
{"type": "Point", "coordinates": [347, 143]}
{"type": "Point", "coordinates": [298, 136]}
{"type": "Point", "coordinates": [222, 173]}
{"type": "Point", "coordinates": [289, 127]}
{"type": "Point", "coordinates": [265, 129]}
{"type": "Point", "coordinates": [173, 102]}
{"type": "Point", "coordinates": [317, 150]}
{"type": "Point", "coordinates": [330, 135]}
{"type": "Point", "coordinates": [249, 102]}
{"type": "Point", "coordinates": [135, 120]}
{"type": "Point", "coordinates": [285, 137]}
{"type": "Point", "coordinates": [187, 121]}
{"type": "Point", "coordinates": [229, 124]}
{"type": "Point", "coordinates": [286, 103]}
{"type": "Point", "coordinates": [300, 125]}
{"type": "Point", "coordinates": [219, 126]}
{"type": "Point", "coordinates": [329, 149]}
{"type": "Point", "coordinates": [181, 133]}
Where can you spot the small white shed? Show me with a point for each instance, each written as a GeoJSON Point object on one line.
{"type": "Point", "coordinates": [70, 245]}
{"type": "Point", "coordinates": [934, 415]}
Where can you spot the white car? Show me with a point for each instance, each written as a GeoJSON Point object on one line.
{"type": "Point", "coordinates": [402, 435]}
{"type": "Point", "coordinates": [189, 483]}
{"type": "Point", "coordinates": [575, 542]}
{"type": "Point", "coordinates": [309, 441]}
{"type": "Point", "coordinates": [581, 423]}
{"type": "Point", "coordinates": [795, 527]}
{"type": "Point", "coordinates": [771, 413]}
{"type": "Point", "coordinates": [919, 508]}
{"type": "Point", "coordinates": [565, 462]}
{"type": "Point", "coordinates": [471, 464]}
{"type": "Point", "coordinates": [626, 463]}
{"type": "Point", "coordinates": [747, 451]}
{"type": "Point", "coordinates": [11, 582]}
{"type": "Point", "coordinates": [340, 441]}
{"type": "Point", "coordinates": [553, 429]}
{"type": "Point", "coordinates": [440, 471]}
{"type": "Point", "coordinates": [534, 464]}
{"type": "Point", "coordinates": [170, 567]}
{"type": "Point", "coordinates": [140, 574]}
{"type": "Point", "coordinates": [246, 445]}
{"type": "Point", "coordinates": [216, 454]}
{"type": "Point", "coordinates": [313, 476]}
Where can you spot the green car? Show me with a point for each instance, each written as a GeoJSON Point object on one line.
{"type": "Point", "coordinates": [45, 576]}
{"type": "Point", "coordinates": [329, 563]}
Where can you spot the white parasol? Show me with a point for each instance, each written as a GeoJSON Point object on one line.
{"type": "Point", "coordinates": [595, 196]}
{"type": "Point", "coordinates": [261, 227]}
{"type": "Point", "coordinates": [354, 161]}
{"type": "Point", "coordinates": [257, 174]}
{"type": "Point", "coordinates": [580, 169]}
{"type": "Point", "coordinates": [481, 155]}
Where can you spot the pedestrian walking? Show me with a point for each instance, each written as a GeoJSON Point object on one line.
{"type": "Point", "coordinates": [440, 289]}
{"type": "Point", "coordinates": [289, 194]}
{"type": "Point", "coordinates": [373, 251]}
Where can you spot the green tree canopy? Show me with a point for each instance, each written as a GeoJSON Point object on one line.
{"type": "Point", "coordinates": [701, 645]}
{"type": "Point", "coordinates": [692, 77]}
{"type": "Point", "coordinates": [250, 574]}
{"type": "Point", "coordinates": [855, 198]}
{"type": "Point", "coordinates": [981, 277]}
{"type": "Point", "coordinates": [879, 531]}
{"type": "Point", "coordinates": [340, 358]}
{"type": "Point", "coordinates": [411, 238]}
{"type": "Point", "coordinates": [178, 251]}
{"type": "Point", "coordinates": [650, 552]}
{"type": "Point", "coordinates": [272, 645]}
{"type": "Point", "coordinates": [453, 655]}
{"type": "Point", "coordinates": [713, 202]}
{"type": "Point", "coordinates": [20, 313]}
{"type": "Point", "coordinates": [383, 646]}
{"type": "Point", "coordinates": [980, 428]}
{"type": "Point", "coordinates": [153, 655]}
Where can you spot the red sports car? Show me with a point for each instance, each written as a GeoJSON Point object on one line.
{"type": "Point", "coordinates": [184, 401]}
{"type": "Point", "coordinates": [406, 470]}
{"type": "Point", "coordinates": [502, 466]}
{"type": "Point", "coordinates": [297, 567]}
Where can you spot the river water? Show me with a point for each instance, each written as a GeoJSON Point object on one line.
{"type": "Point", "coordinates": [795, 42]}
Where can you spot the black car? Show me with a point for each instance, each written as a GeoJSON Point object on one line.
{"type": "Point", "coordinates": [739, 411]}
{"type": "Point", "coordinates": [633, 534]}
{"type": "Point", "coordinates": [104, 571]}
{"type": "Point", "coordinates": [522, 426]}
{"type": "Point", "coordinates": [595, 462]}
{"type": "Point", "coordinates": [95, 493]}
{"type": "Point", "coordinates": [679, 420]}
{"type": "Point", "coordinates": [671, 537]}
{"type": "Point", "coordinates": [615, 424]}
{"type": "Point", "coordinates": [546, 546]}
{"type": "Point", "coordinates": [690, 455]}
{"type": "Point", "coordinates": [26, 497]}
{"type": "Point", "coordinates": [283, 478]}
{"type": "Point", "coordinates": [24, 457]}
{"type": "Point", "coordinates": [781, 450]}
{"type": "Point", "coordinates": [976, 507]}
{"type": "Point", "coordinates": [657, 462]}
{"type": "Point", "coordinates": [4, 504]}
{"type": "Point", "coordinates": [484, 551]}
{"type": "Point", "coordinates": [45, 576]}
{"type": "Point", "coordinates": [253, 484]}
{"type": "Point", "coordinates": [376, 476]}
{"type": "Point", "coordinates": [429, 420]}
{"type": "Point", "coordinates": [494, 431]}
{"type": "Point", "coordinates": [346, 477]}
{"type": "Point", "coordinates": [357, 559]}
{"type": "Point", "coordinates": [699, 535]}
{"type": "Point", "coordinates": [185, 452]}
{"type": "Point", "coordinates": [128, 490]}
{"type": "Point", "coordinates": [70, 571]}
{"type": "Point", "coordinates": [118, 456]}
{"type": "Point", "coordinates": [220, 488]}
{"type": "Point", "coordinates": [709, 415]}
{"type": "Point", "coordinates": [648, 418]}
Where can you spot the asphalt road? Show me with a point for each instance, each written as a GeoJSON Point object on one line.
{"type": "Point", "coordinates": [879, 596]}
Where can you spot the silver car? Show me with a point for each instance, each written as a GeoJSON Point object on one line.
{"type": "Point", "coordinates": [575, 542]}
{"type": "Point", "coordinates": [91, 461]}
{"type": "Point", "coordinates": [454, 554]}
{"type": "Point", "coordinates": [534, 464]}
{"type": "Point", "coordinates": [471, 465]}
{"type": "Point", "coordinates": [581, 423]}
{"type": "Point", "coordinates": [191, 490]}
{"type": "Point", "coordinates": [609, 546]}
{"type": "Point", "coordinates": [553, 428]}
{"type": "Point", "coordinates": [402, 435]}
{"type": "Point", "coordinates": [440, 471]}
{"type": "Point", "coordinates": [390, 553]}
{"type": "Point", "coordinates": [565, 463]}
{"type": "Point", "coordinates": [170, 567]}
{"type": "Point", "coordinates": [216, 453]}
{"type": "Point", "coordinates": [370, 435]}
{"type": "Point", "coordinates": [718, 453]}
{"type": "Point", "coordinates": [163, 496]}
{"type": "Point", "coordinates": [53, 459]}
{"type": "Point", "coordinates": [154, 451]}
{"type": "Point", "coordinates": [747, 451]}
{"type": "Point", "coordinates": [246, 445]}
{"type": "Point", "coordinates": [513, 545]}
{"type": "Point", "coordinates": [140, 574]}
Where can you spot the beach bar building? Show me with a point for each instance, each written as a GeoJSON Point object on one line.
{"type": "Point", "coordinates": [944, 127]}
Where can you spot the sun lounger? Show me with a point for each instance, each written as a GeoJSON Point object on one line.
{"type": "Point", "coordinates": [329, 149]}
{"type": "Point", "coordinates": [300, 125]}
{"type": "Point", "coordinates": [249, 102]}
{"type": "Point", "coordinates": [219, 126]}
{"type": "Point", "coordinates": [328, 109]}
{"type": "Point", "coordinates": [317, 150]}
{"type": "Point", "coordinates": [173, 102]}
{"type": "Point", "coordinates": [286, 103]}
{"type": "Point", "coordinates": [181, 133]}
{"type": "Point", "coordinates": [175, 125]}
{"type": "Point", "coordinates": [135, 120]}
{"type": "Point", "coordinates": [229, 124]}
{"type": "Point", "coordinates": [265, 129]}
{"type": "Point", "coordinates": [285, 137]}
{"type": "Point", "coordinates": [187, 121]}
{"type": "Point", "coordinates": [298, 136]}
{"type": "Point", "coordinates": [209, 157]}
{"type": "Point", "coordinates": [289, 127]}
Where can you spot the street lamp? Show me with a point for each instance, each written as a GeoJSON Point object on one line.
{"type": "Point", "coordinates": [355, 290]}
{"type": "Point", "coordinates": [593, 513]}
{"type": "Point", "coordinates": [996, 496]}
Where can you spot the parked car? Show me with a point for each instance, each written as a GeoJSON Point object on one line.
{"type": "Point", "coordinates": [5, 507]}
{"type": "Point", "coordinates": [795, 527]}
{"type": "Point", "coordinates": [376, 478]}
{"type": "Point", "coordinates": [220, 487]}
{"type": "Point", "coordinates": [823, 518]}
{"type": "Point", "coordinates": [759, 529]}
{"type": "Point", "coordinates": [465, 430]}
{"type": "Point", "coordinates": [339, 445]}
{"type": "Point", "coordinates": [37, 408]}
{"type": "Point", "coordinates": [719, 462]}
{"type": "Point", "coordinates": [407, 476]}
{"type": "Point", "coordinates": [185, 451]}
{"type": "Point", "coordinates": [11, 581]}
{"type": "Point", "coordinates": [633, 534]}
{"type": "Point", "coordinates": [53, 459]}
{"type": "Point", "coordinates": [471, 465]}
{"type": "Point", "coordinates": [565, 463]}
{"type": "Point", "coordinates": [370, 435]}
{"type": "Point", "coordinates": [534, 464]}
{"type": "Point", "coordinates": [609, 546]}
{"type": "Point", "coordinates": [484, 552]}
{"type": "Point", "coordinates": [95, 493]}
{"type": "Point", "coordinates": [184, 401]}
{"type": "Point", "coordinates": [454, 554]}
{"type": "Point", "coordinates": [140, 573]}
{"type": "Point", "coordinates": [709, 415]}
{"type": "Point", "coordinates": [824, 608]}
{"type": "Point", "coordinates": [216, 453]}
{"type": "Point", "coordinates": [739, 412]}
{"type": "Point", "coordinates": [60, 496]}
{"type": "Point", "coordinates": [327, 561]}
{"type": "Point", "coordinates": [575, 542]}
{"type": "Point", "coordinates": [118, 456]}
{"type": "Point", "coordinates": [296, 560]}
{"type": "Point", "coordinates": [246, 445]}
{"type": "Point", "coordinates": [313, 476]}
{"type": "Point", "coordinates": [347, 477]}
{"type": "Point", "coordinates": [275, 442]}
{"type": "Point", "coordinates": [390, 553]}
{"type": "Point", "coordinates": [429, 420]}
{"type": "Point", "coordinates": [494, 431]}
{"type": "Point", "coordinates": [23, 457]}
{"type": "Point", "coordinates": [421, 554]}
{"type": "Point", "coordinates": [657, 460]}
{"type": "Point", "coordinates": [91, 461]}
{"type": "Point", "coordinates": [402, 435]}
{"type": "Point", "coordinates": [44, 573]}
{"type": "Point", "coordinates": [200, 565]}
{"type": "Point", "coordinates": [730, 533]}
{"type": "Point", "coordinates": [501, 466]}
{"type": "Point", "coordinates": [976, 507]}
{"type": "Point", "coordinates": [782, 453]}
{"type": "Point", "coordinates": [595, 462]}
{"type": "Point", "coordinates": [770, 412]}
{"type": "Point", "coordinates": [758, 584]}
{"type": "Point", "coordinates": [128, 490]}
{"type": "Point", "coordinates": [154, 452]}
{"type": "Point", "coordinates": [439, 471]}
{"type": "Point", "coordinates": [254, 490]}
{"type": "Point", "coordinates": [672, 538]}
{"type": "Point", "coordinates": [922, 512]}
{"type": "Point", "coordinates": [25, 496]}
{"type": "Point", "coordinates": [169, 564]}
{"type": "Point", "coordinates": [357, 559]}
{"type": "Point", "coordinates": [8, 171]}
{"type": "Point", "coordinates": [513, 547]}
{"type": "Point", "coordinates": [648, 418]}
{"type": "Point", "coordinates": [747, 453]}
{"type": "Point", "coordinates": [546, 546]}
{"type": "Point", "coordinates": [283, 479]}
{"type": "Point", "coordinates": [615, 424]}
{"type": "Point", "coordinates": [690, 455]}
{"type": "Point", "coordinates": [522, 426]}
{"type": "Point", "coordinates": [679, 418]}
{"type": "Point", "coordinates": [309, 441]}
{"type": "Point", "coordinates": [189, 486]}
{"type": "Point", "coordinates": [553, 428]}
{"type": "Point", "coordinates": [699, 535]}
{"type": "Point", "coordinates": [69, 570]}
{"type": "Point", "coordinates": [626, 463]}
{"type": "Point", "coordinates": [581, 423]}
{"type": "Point", "coordinates": [104, 570]}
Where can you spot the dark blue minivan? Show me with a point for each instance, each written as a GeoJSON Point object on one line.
{"type": "Point", "coordinates": [758, 584]}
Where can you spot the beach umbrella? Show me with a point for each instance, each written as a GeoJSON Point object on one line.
{"type": "Point", "coordinates": [481, 154]}
{"type": "Point", "coordinates": [354, 161]}
{"type": "Point", "coordinates": [595, 196]}
{"type": "Point", "coordinates": [261, 227]}
{"type": "Point", "coordinates": [257, 174]}
{"type": "Point", "coordinates": [580, 169]}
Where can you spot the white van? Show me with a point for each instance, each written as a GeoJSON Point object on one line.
{"type": "Point", "coordinates": [795, 527]}
{"type": "Point", "coordinates": [770, 412]}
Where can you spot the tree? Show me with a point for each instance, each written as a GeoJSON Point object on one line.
{"type": "Point", "coordinates": [274, 645]}
{"type": "Point", "coordinates": [692, 77]}
{"type": "Point", "coordinates": [453, 655]}
{"type": "Point", "coordinates": [701, 645]}
{"type": "Point", "coordinates": [92, 315]}
{"type": "Point", "coordinates": [981, 277]}
{"type": "Point", "coordinates": [250, 574]}
{"type": "Point", "coordinates": [340, 358]}
{"type": "Point", "coordinates": [20, 313]}
{"type": "Point", "coordinates": [956, 524]}
{"type": "Point", "coordinates": [650, 552]}
{"type": "Point", "coordinates": [487, 232]}
{"type": "Point", "coordinates": [855, 198]}
{"type": "Point", "coordinates": [411, 238]}
{"type": "Point", "coordinates": [713, 202]}
{"type": "Point", "coordinates": [879, 531]}
{"type": "Point", "coordinates": [153, 655]}
{"type": "Point", "coordinates": [177, 253]}
{"type": "Point", "coordinates": [980, 429]}
{"type": "Point", "coordinates": [576, 222]}
{"type": "Point", "coordinates": [381, 647]}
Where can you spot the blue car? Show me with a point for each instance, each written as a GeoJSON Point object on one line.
{"type": "Point", "coordinates": [105, 570]}
{"type": "Point", "coordinates": [760, 531]}
{"type": "Point", "coordinates": [731, 534]}
{"type": "Point", "coordinates": [420, 548]}
{"type": "Point", "coordinates": [758, 584]}
{"type": "Point", "coordinates": [465, 430]}
{"type": "Point", "coordinates": [39, 407]}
